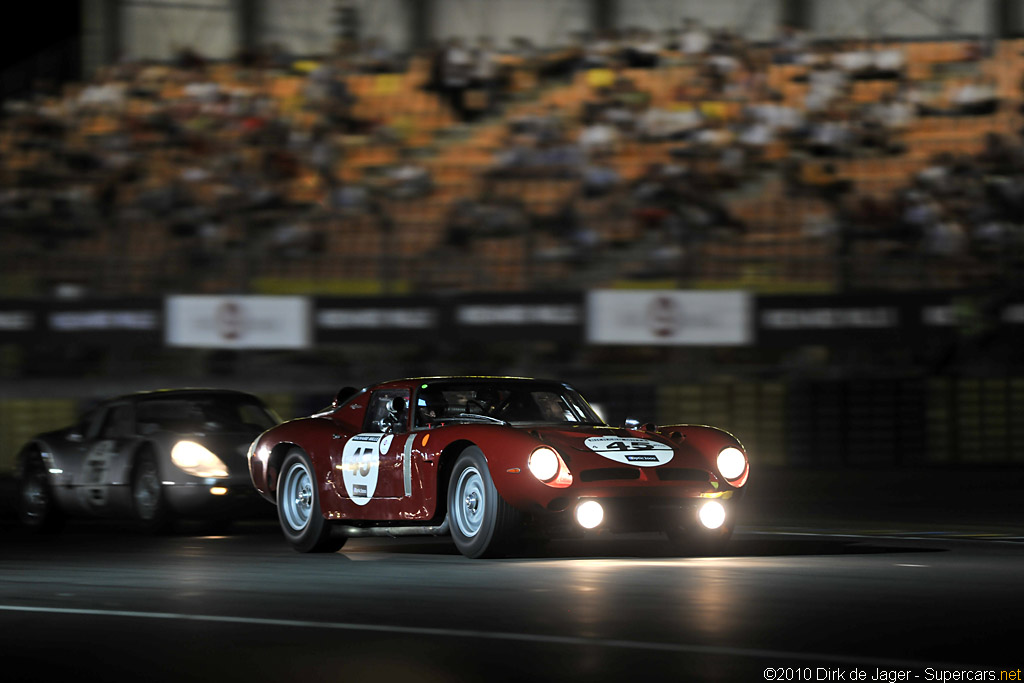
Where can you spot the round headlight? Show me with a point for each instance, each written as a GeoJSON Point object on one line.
{"type": "Point", "coordinates": [544, 463]}
{"type": "Point", "coordinates": [731, 462]}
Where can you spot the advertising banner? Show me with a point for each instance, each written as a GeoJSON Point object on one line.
{"type": "Point", "coordinates": [19, 320]}
{"type": "Point", "coordinates": [376, 320]}
{"type": "Point", "coordinates": [885, 317]}
{"type": "Point", "coordinates": [112, 321]}
{"type": "Point", "coordinates": [520, 317]}
{"type": "Point", "coordinates": [669, 317]}
{"type": "Point", "coordinates": [238, 322]}
{"type": "Point", "coordinates": [792, 320]}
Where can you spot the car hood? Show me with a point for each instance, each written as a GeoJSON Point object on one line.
{"type": "Point", "coordinates": [595, 446]}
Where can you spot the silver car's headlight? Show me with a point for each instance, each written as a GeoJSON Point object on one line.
{"type": "Point", "coordinates": [197, 460]}
{"type": "Point", "coordinates": [731, 462]}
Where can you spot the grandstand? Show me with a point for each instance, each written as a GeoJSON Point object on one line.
{"type": "Point", "coordinates": [739, 162]}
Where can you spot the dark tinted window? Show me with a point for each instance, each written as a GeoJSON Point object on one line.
{"type": "Point", "coordinates": [515, 402]}
{"type": "Point", "coordinates": [183, 414]}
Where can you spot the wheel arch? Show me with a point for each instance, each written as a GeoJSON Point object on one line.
{"type": "Point", "coordinates": [446, 462]}
{"type": "Point", "coordinates": [274, 461]}
{"type": "Point", "coordinates": [28, 451]}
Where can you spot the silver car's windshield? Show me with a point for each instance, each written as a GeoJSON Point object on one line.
{"type": "Point", "coordinates": [228, 413]}
{"type": "Point", "coordinates": [515, 402]}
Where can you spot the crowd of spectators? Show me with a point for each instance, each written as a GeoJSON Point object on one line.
{"type": "Point", "coordinates": [251, 157]}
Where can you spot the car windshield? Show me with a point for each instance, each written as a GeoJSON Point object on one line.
{"type": "Point", "coordinates": [228, 413]}
{"type": "Point", "coordinates": [516, 402]}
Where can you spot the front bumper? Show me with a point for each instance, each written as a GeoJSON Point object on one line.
{"type": "Point", "coordinates": [624, 513]}
{"type": "Point", "coordinates": [205, 500]}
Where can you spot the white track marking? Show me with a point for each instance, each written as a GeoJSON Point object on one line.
{"type": "Point", "coordinates": [681, 648]}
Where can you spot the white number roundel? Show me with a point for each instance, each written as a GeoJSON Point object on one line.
{"type": "Point", "coordinates": [630, 451]}
{"type": "Point", "coordinates": [360, 464]}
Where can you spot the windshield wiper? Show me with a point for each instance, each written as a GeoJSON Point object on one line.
{"type": "Point", "coordinates": [486, 418]}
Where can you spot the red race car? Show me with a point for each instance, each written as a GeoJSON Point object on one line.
{"type": "Point", "coordinates": [489, 459]}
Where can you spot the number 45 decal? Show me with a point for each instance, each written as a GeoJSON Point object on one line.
{"type": "Point", "coordinates": [629, 446]}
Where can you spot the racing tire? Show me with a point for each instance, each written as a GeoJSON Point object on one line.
{"type": "Point", "coordinates": [482, 523]}
{"type": "Point", "coordinates": [298, 507]}
{"type": "Point", "coordinates": [37, 509]}
{"type": "Point", "coordinates": [148, 499]}
{"type": "Point", "coordinates": [698, 541]}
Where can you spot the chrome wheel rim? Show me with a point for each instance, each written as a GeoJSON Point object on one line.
{"type": "Point", "coordinates": [147, 491]}
{"type": "Point", "coordinates": [469, 502]}
{"type": "Point", "coordinates": [296, 496]}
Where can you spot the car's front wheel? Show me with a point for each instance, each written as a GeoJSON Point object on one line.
{"type": "Point", "coordinates": [37, 509]}
{"type": "Point", "coordinates": [148, 499]}
{"type": "Point", "coordinates": [298, 507]}
{"type": "Point", "coordinates": [482, 523]}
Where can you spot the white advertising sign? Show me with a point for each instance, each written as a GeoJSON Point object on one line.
{"type": "Point", "coordinates": [238, 322]}
{"type": "Point", "coordinates": [669, 317]}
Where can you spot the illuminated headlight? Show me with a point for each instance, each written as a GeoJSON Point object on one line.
{"type": "Point", "coordinates": [544, 463]}
{"type": "Point", "coordinates": [197, 460]}
{"type": "Point", "coordinates": [731, 462]}
{"type": "Point", "coordinates": [712, 514]}
{"type": "Point", "coordinates": [589, 514]}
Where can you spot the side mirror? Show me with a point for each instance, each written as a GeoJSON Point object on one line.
{"type": "Point", "coordinates": [392, 422]}
{"type": "Point", "coordinates": [631, 423]}
{"type": "Point", "coordinates": [343, 395]}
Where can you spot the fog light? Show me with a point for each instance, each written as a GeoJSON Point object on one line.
{"type": "Point", "coordinates": [712, 514]}
{"type": "Point", "coordinates": [218, 490]}
{"type": "Point", "coordinates": [589, 514]}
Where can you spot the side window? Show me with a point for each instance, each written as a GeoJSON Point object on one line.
{"type": "Point", "coordinates": [119, 422]}
{"type": "Point", "coordinates": [381, 415]}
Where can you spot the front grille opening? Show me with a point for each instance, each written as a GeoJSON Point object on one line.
{"type": "Point", "coordinates": [682, 474]}
{"type": "Point", "coordinates": [610, 473]}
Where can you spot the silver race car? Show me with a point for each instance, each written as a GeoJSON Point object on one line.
{"type": "Point", "coordinates": [153, 456]}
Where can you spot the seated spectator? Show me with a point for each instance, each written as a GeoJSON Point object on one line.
{"type": "Point", "coordinates": [642, 50]}
{"type": "Point", "coordinates": [597, 137]}
{"type": "Point", "coordinates": [408, 180]}
{"type": "Point", "coordinates": [790, 45]}
{"type": "Point", "coordinates": [826, 83]}
{"type": "Point", "coordinates": [693, 39]}
{"type": "Point", "coordinates": [829, 134]}
{"type": "Point", "coordinates": [598, 180]}
{"type": "Point", "coordinates": [977, 97]}
{"type": "Point", "coordinates": [601, 51]}
{"type": "Point", "coordinates": [663, 124]}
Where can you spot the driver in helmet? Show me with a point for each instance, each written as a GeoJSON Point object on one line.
{"type": "Point", "coordinates": [430, 407]}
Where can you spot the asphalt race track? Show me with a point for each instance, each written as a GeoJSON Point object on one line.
{"type": "Point", "coordinates": [859, 592]}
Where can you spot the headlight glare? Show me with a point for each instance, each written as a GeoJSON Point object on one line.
{"type": "Point", "coordinates": [544, 463]}
{"type": "Point", "coordinates": [197, 460]}
{"type": "Point", "coordinates": [712, 514]}
{"type": "Point", "coordinates": [589, 514]}
{"type": "Point", "coordinates": [731, 462]}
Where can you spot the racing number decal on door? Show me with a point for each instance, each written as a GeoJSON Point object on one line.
{"type": "Point", "coordinates": [96, 472]}
{"type": "Point", "coordinates": [360, 464]}
{"type": "Point", "coordinates": [628, 451]}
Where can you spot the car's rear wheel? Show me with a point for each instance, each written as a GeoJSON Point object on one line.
{"type": "Point", "coordinates": [148, 499]}
{"type": "Point", "coordinates": [37, 509]}
{"type": "Point", "coordinates": [482, 524]}
{"type": "Point", "coordinates": [298, 507]}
